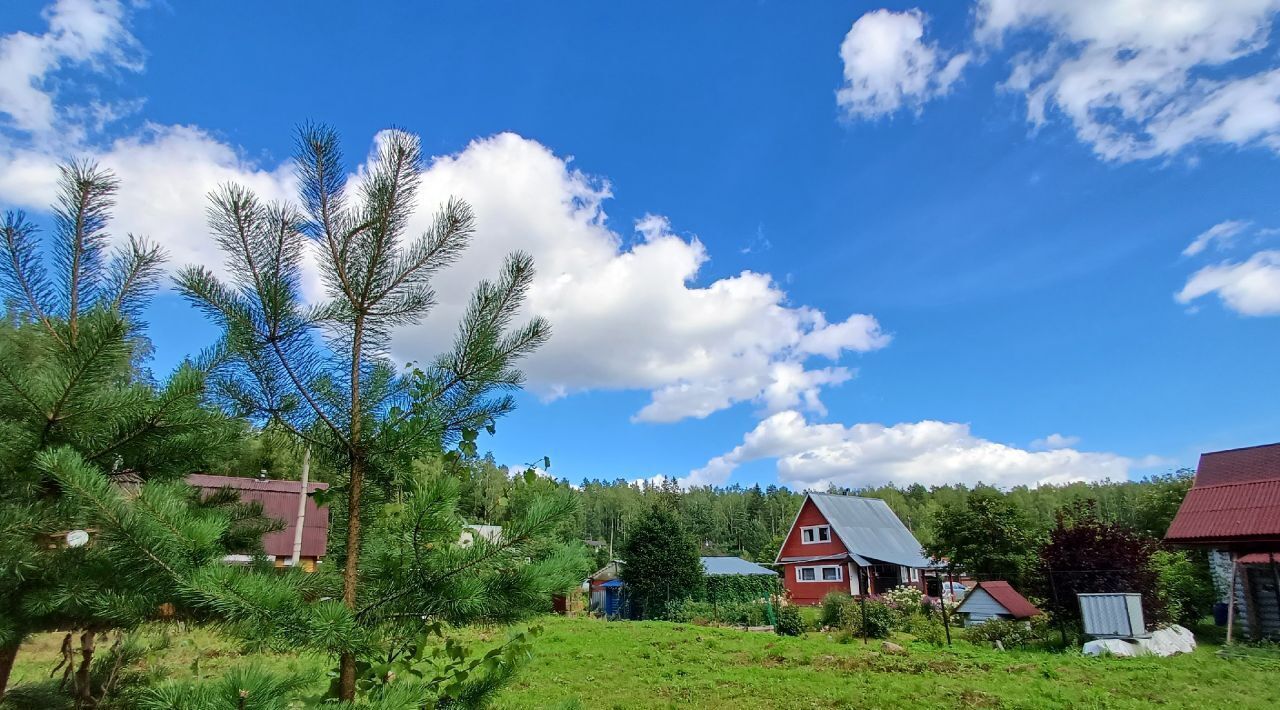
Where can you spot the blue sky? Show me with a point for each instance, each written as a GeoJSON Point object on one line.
{"type": "Point", "coordinates": [819, 243]}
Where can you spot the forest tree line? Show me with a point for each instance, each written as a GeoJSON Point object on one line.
{"type": "Point", "coordinates": [752, 521]}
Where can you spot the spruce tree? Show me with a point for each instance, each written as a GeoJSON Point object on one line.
{"type": "Point", "coordinates": [70, 346]}
{"type": "Point", "coordinates": [660, 561]}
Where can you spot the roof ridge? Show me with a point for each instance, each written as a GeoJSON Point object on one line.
{"type": "Point", "coordinates": [842, 495]}
{"type": "Point", "coordinates": [1274, 479]}
{"type": "Point", "coordinates": [1240, 448]}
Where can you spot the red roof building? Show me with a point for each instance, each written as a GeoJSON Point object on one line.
{"type": "Point", "coordinates": [994, 600]}
{"type": "Point", "coordinates": [1234, 507]}
{"type": "Point", "coordinates": [1234, 503]}
{"type": "Point", "coordinates": [279, 500]}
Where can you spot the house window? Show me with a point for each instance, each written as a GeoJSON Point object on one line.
{"type": "Point", "coordinates": [915, 575]}
{"type": "Point", "coordinates": [814, 534]}
{"type": "Point", "coordinates": [821, 573]}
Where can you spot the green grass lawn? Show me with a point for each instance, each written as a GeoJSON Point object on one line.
{"type": "Point", "coordinates": [594, 664]}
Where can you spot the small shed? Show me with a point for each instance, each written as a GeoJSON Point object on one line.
{"type": "Point", "coordinates": [994, 600]}
{"type": "Point", "coordinates": [610, 598]}
{"type": "Point", "coordinates": [600, 594]}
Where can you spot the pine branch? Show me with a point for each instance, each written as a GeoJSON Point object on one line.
{"type": "Point", "coordinates": [86, 197]}
{"type": "Point", "coordinates": [104, 340]}
{"type": "Point", "coordinates": [24, 277]}
{"type": "Point", "coordinates": [135, 273]}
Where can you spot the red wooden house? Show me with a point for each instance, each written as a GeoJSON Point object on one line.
{"type": "Point", "coordinates": [848, 544]}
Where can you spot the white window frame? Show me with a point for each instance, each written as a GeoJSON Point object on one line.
{"type": "Point", "coordinates": [817, 539]}
{"type": "Point", "coordinates": [914, 575]}
{"type": "Point", "coordinates": [817, 573]}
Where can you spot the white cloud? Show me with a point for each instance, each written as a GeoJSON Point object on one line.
{"type": "Point", "coordinates": [1250, 288]}
{"type": "Point", "coordinates": [627, 313]}
{"type": "Point", "coordinates": [887, 65]}
{"type": "Point", "coordinates": [1221, 233]}
{"type": "Point", "coordinates": [815, 456]}
{"type": "Point", "coordinates": [1055, 441]}
{"type": "Point", "coordinates": [1144, 78]}
{"type": "Point", "coordinates": [80, 32]}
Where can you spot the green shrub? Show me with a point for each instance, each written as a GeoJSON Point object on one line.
{"type": "Point", "coordinates": [926, 627]}
{"type": "Point", "coordinates": [833, 606]}
{"type": "Point", "coordinates": [1183, 584]}
{"type": "Point", "coordinates": [729, 589]}
{"type": "Point", "coordinates": [1010, 633]}
{"type": "Point", "coordinates": [790, 621]}
{"type": "Point", "coordinates": [689, 611]}
{"type": "Point", "coordinates": [878, 619]}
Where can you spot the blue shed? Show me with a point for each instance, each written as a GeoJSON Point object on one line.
{"type": "Point", "coordinates": [612, 597]}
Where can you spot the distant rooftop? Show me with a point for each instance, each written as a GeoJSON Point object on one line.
{"type": "Point", "coordinates": [731, 566]}
{"type": "Point", "coordinates": [279, 500]}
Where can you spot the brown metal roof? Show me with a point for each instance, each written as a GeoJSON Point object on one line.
{"type": "Point", "coordinates": [1239, 512]}
{"type": "Point", "coordinates": [279, 500]}
{"type": "Point", "coordinates": [1253, 463]}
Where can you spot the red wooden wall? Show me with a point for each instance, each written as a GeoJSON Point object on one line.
{"type": "Point", "coordinates": [812, 592]}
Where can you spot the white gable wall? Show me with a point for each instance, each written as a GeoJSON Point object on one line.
{"type": "Point", "coordinates": [978, 606]}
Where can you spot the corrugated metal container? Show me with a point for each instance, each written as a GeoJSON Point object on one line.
{"type": "Point", "coordinates": [1112, 615]}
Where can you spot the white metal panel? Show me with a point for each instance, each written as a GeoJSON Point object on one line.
{"type": "Point", "coordinates": [1112, 615]}
{"type": "Point", "coordinates": [981, 603]}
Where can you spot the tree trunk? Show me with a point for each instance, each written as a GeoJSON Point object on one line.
{"type": "Point", "coordinates": [350, 577]}
{"type": "Point", "coordinates": [84, 690]}
{"type": "Point", "coordinates": [7, 656]}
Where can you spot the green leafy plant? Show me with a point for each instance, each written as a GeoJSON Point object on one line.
{"type": "Point", "coordinates": [1183, 584]}
{"type": "Point", "coordinates": [833, 609]}
{"type": "Point", "coordinates": [1009, 632]}
{"type": "Point", "coordinates": [790, 621]}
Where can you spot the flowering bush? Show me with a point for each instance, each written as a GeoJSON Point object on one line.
{"type": "Point", "coordinates": [905, 600]}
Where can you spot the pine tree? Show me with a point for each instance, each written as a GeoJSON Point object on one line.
{"type": "Point", "coordinates": [69, 383]}
{"type": "Point", "coordinates": [320, 372]}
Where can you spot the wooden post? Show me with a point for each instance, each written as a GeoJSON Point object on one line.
{"type": "Point", "coordinates": [862, 603]}
{"type": "Point", "coordinates": [302, 508]}
{"type": "Point", "coordinates": [1250, 605]}
{"type": "Point", "coordinates": [1062, 624]}
{"type": "Point", "coordinates": [1231, 601]}
{"type": "Point", "coordinates": [942, 604]}
{"type": "Point", "coordinates": [1275, 576]}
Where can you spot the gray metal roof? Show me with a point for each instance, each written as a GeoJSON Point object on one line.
{"type": "Point", "coordinates": [725, 566]}
{"type": "Point", "coordinates": [868, 528]}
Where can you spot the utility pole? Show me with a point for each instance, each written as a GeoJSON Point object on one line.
{"type": "Point", "coordinates": [302, 507]}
